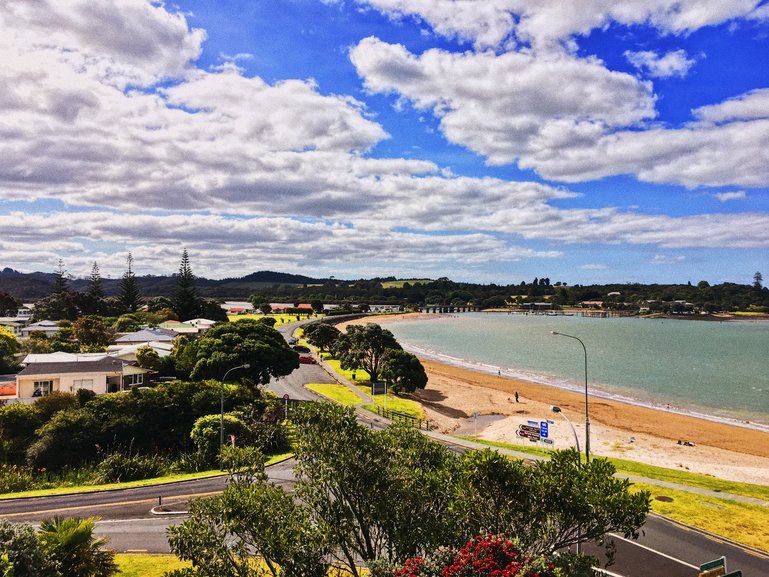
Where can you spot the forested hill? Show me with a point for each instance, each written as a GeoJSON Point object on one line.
{"type": "Point", "coordinates": [32, 286]}
{"type": "Point", "coordinates": [269, 286]}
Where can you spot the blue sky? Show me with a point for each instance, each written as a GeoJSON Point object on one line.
{"type": "Point", "coordinates": [492, 141]}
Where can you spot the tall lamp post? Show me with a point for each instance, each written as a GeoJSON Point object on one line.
{"type": "Point", "coordinates": [221, 411]}
{"type": "Point", "coordinates": [573, 430]}
{"type": "Point", "coordinates": [587, 412]}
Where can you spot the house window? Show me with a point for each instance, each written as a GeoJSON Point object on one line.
{"type": "Point", "coordinates": [135, 379]}
{"type": "Point", "coordinates": [82, 384]}
{"type": "Point", "coordinates": [42, 388]}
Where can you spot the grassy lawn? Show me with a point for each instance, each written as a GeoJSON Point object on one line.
{"type": "Point", "coordinates": [360, 374]}
{"type": "Point", "coordinates": [127, 485]}
{"type": "Point", "coordinates": [740, 522]}
{"type": "Point", "coordinates": [394, 403]}
{"type": "Point", "coordinates": [147, 565]}
{"type": "Point", "coordinates": [338, 393]}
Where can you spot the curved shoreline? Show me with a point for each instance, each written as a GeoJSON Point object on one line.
{"type": "Point", "coordinates": [653, 422]}
{"type": "Point", "coordinates": [596, 393]}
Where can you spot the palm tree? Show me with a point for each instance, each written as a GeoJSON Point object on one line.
{"type": "Point", "coordinates": [70, 543]}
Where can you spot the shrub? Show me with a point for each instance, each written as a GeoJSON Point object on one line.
{"type": "Point", "coordinates": [121, 467]}
{"type": "Point", "coordinates": [271, 438]}
{"type": "Point", "coordinates": [22, 546]}
{"type": "Point", "coordinates": [53, 403]}
{"type": "Point", "coordinates": [18, 423]}
{"type": "Point", "coordinates": [14, 478]}
{"type": "Point", "coordinates": [192, 462]}
{"type": "Point", "coordinates": [206, 431]}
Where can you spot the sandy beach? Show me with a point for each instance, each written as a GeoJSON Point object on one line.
{"type": "Point", "coordinates": [617, 429]}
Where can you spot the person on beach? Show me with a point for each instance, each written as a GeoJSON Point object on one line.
{"type": "Point", "coordinates": [516, 396]}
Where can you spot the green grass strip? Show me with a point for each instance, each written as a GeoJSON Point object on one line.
{"type": "Point", "coordinates": [128, 484]}
{"type": "Point", "coordinates": [143, 565]}
{"type": "Point", "coordinates": [335, 392]}
{"type": "Point", "coordinates": [741, 522]}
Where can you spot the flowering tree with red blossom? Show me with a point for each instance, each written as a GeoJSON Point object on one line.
{"type": "Point", "coordinates": [482, 556]}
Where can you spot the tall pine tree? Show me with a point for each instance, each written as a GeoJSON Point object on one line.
{"type": "Point", "coordinates": [185, 302]}
{"type": "Point", "coordinates": [95, 289]}
{"type": "Point", "coordinates": [129, 297]}
{"type": "Point", "coordinates": [60, 282]}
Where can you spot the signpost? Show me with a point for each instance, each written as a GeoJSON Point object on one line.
{"type": "Point", "coordinates": [716, 568]}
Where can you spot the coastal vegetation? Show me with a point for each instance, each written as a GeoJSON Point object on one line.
{"type": "Point", "coordinates": [394, 494]}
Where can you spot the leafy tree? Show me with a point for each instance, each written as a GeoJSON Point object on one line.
{"type": "Point", "coordinates": [22, 546]}
{"type": "Point", "coordinates": [212, 310]}
{"type": "Point", "coordinates": [269, 321]}
{"type": "Point", "coordinates": [128, 323]}
{"type": "Point", "coordinates": [317, 306]}
{"type": "Point", "coordinates": [185, 355]}
{"type": "Point", "coordinates": [322, 335]}
{"type": "Point", "coordinates": [91, 332]}
{"type": "Point", "coordinates": [485, 555]}
{"type": "Point", "coordinates": [758, 278]}
{"type": "Point", "coordinates": [244, 342]}
{"type": "Point", "coordinates": [93, 297]}
{"type": "Point", "coordinates": [363, 347]}
{"type": "Point", "coordinates": [71, 544]}
{"type": "Point", "coordinates": [251, 518]}
{"type": "Point", "coordinates": [18, 423]}
{"type": "Point", "coordinates": [9, 346]}
{"type": "Point", "coordinates": [265, 308]}
{"type": "Point", "coordinates": [61, 303]}
{"type": "Point", "coordinates": [129, 295]}
{"type": "Point", "coordinates": [403, 371]}
{"type": "Point", "coordinates": [148, 358]}
{"type": "Point", "coordinates": [185, 302]}
{"type": "Point", "coordinates": [64, 339]}
{"type": "Point", "coordinates": [8, 305]}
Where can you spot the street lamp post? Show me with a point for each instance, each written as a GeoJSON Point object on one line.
{"type": "Point", "coordinates": [573, 430]}
{"type": "Point", "coordinates": [221, 411]}
{"type": "Point", "coordinates": [576, 440]}
{"type": "Point", "coordinates": [587, 412]}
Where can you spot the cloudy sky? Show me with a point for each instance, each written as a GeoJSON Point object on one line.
{"type": "Point", "coordinates": [483, 140]}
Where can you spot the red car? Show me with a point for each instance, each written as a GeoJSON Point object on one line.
{"type": "Point", "coordinates": [306, 360]}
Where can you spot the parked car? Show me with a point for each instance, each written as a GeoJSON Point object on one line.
{"type": "Point", "coordinates": [293, 341]}
{"type": "Point", "coordinates": [307, 360]}
{"type": "Point", "coordinates": [301, 349]}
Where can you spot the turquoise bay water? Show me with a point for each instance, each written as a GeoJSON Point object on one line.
{"type": "Point", "coordinates": [720, 369]}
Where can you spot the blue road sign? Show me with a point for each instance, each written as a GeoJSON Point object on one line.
{"type": "Point", "coordinates": [543, 429]}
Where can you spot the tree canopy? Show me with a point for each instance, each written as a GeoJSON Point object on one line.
{"type": "Point", "coordinates": [246, 341]}
{"type": "Point", "coordinates": [363, 347]}
{"type": "Point", "coordinates": [403, 371]}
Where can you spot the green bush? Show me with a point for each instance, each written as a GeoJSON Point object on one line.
{"type": "Point", "coordinates": [24, 551]}
{"type": "Point", "coordinates": [192, 462]}
{"type": "Point", "coordinates": [206, 432]}
{"type": "Point", "coordinates": [121, 467]}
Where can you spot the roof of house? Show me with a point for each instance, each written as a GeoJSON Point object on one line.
{"type": "Point", "coordinates": [148, 335]}
{"type": "Point", "coordinates": [61, 357]}
{"type": "Point", "coordinates": [103, 365]}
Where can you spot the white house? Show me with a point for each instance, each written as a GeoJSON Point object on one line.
{"type": "Point", "coordinates": [68, 372]}
{"type": "Point", "coordinates": [50, 328]}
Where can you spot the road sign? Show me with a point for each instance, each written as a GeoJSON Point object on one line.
{"type": "Point", "coordinates": [378, 388]}
{"type": "Point", "coordinates": [529, 432]}
{"type": "Point", "coordinates": [716, 568]}
{"type": "Point", "coordinates": [543, 429]}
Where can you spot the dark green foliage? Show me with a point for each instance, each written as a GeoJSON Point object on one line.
{"type": "Point", "coordinates": [91, 332]}
{"type": "Point", "coordinates": [245, 341]}
{"type": "Point", "coordinates": [71, 545]}
{"type": "Point", "coordinates": [269, 321]}
{"type": "Point", "coordinates": [251, 518]}
{"type": "Point", "coordinates": [211, 309]}
{"type": "Point", "coordinates": [129, 295]}
{"type": "Point", "coordinates": [148, 358]}
{"type": "Point", "coordinates": [403, 371]}
{"type": "Point", "coordinates": [120, 467]}
{"type": "Point", "coordinates": [363, 347]}
{"type": "Point", "coordinates": [18, 423]}
{"type": "Point", "coordinates": [21, 544]}
{"type": "Point", "coordinates": [205, 434]}
{"type": "Point", "coordinates": [53, 403]}
{"type": "Point", "coordinates": [8, 305]}
{"type": "Point", "coordinates": [322, 335]}
{"type": "Point", "coordinates": [151, 421]}
{"type": "Point", "coordinates": [185, 302]}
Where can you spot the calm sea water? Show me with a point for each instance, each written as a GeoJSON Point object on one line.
{"type": "Point", "coordinates": [719, 369]}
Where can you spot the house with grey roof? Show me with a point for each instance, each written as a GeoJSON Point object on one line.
{"type": "Point", "coordinates": [148, 335]}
